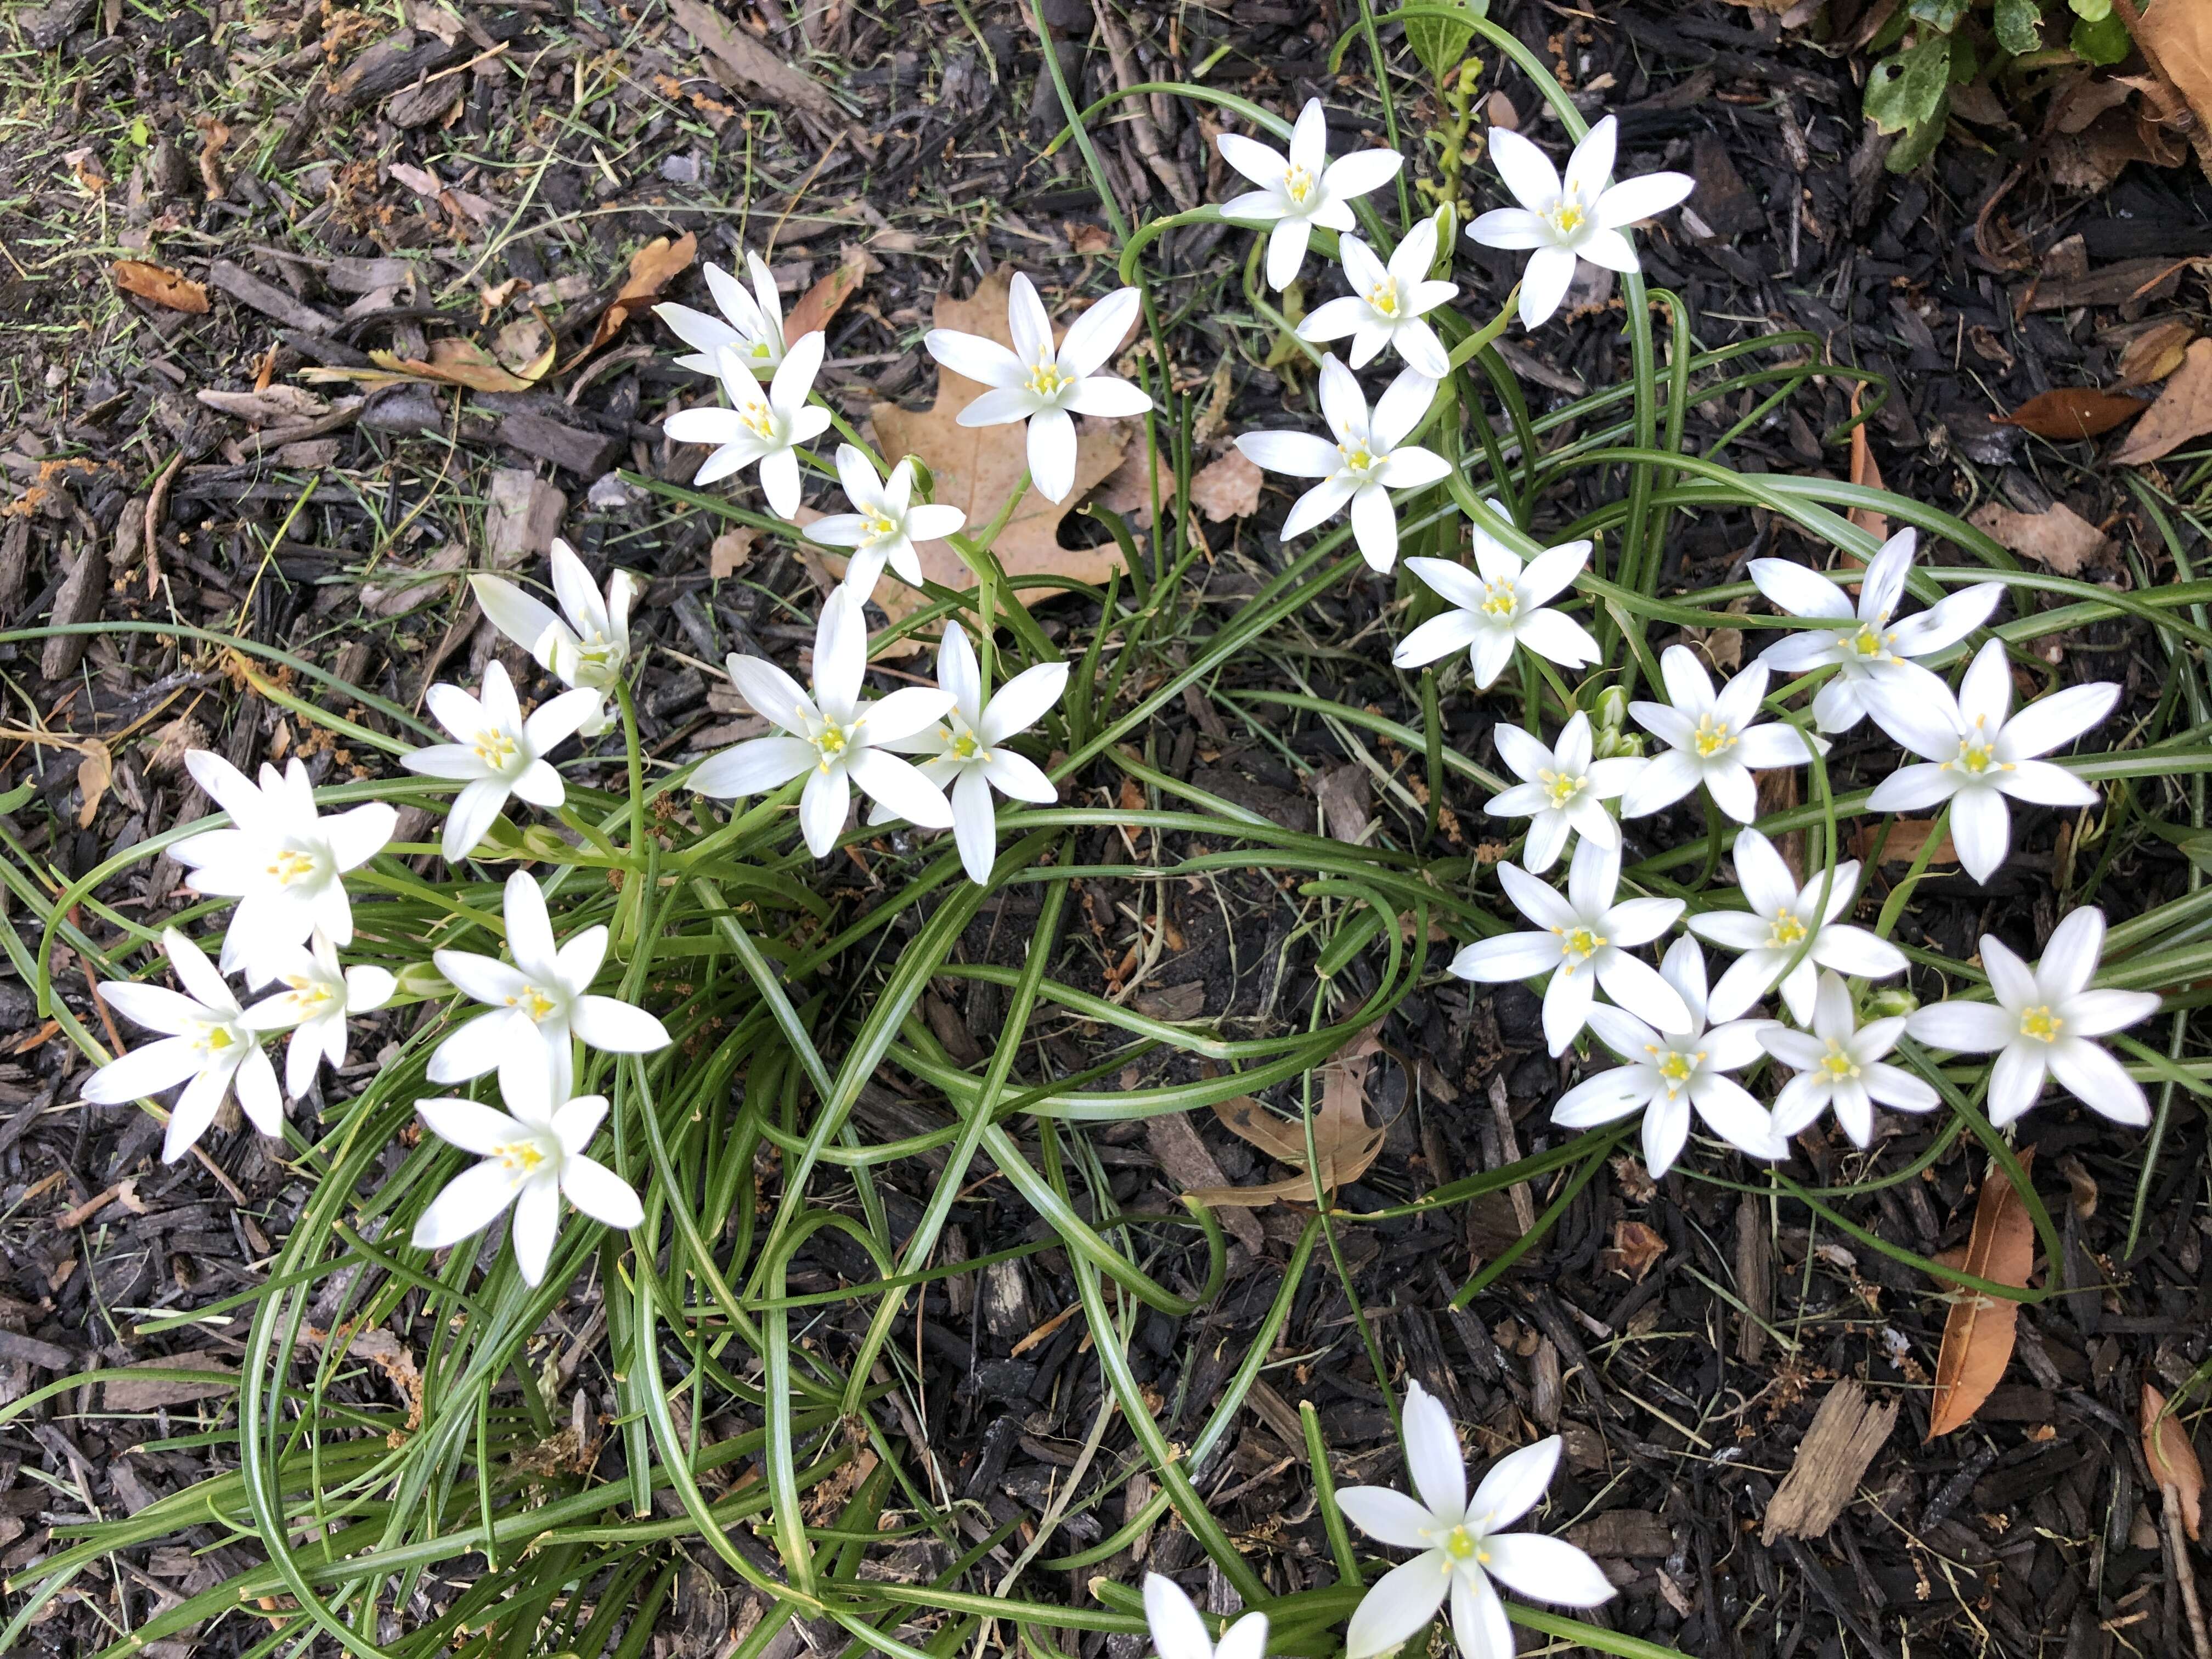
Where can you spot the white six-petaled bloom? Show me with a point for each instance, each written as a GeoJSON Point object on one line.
{"type": "Point", "coordinates": [2041, 1021]}
{"type": "Point", "coordinates": [1046, 385]}
{"type": "Point", "coordinates": [1387, 304]}
{"type": "Point", "coordinates": [542, 997]}
{"type": "Point", "coordinates": [1584, 942]}
{"type": "Point", "coordinates": [1581, 216]}
{"type": "Point", "coordinates": [1370, 459]}
{"type": "Point", "coordinates": [886, 524]}
{"type": "Point", "coordinates": [751, 324]}
{"type": "Point", "coordinates": [1874, 651]}
{"type": "Point", "coordinates": [763, 425]}
{"type": "Point", "coordinates": [499, 753]}
{"type": "Point", "coordinates": [1977, 756]}
{"type": "Point", "coordinates": [533, 1156]}
{"type": "Point", "coordinates": [1562, 790]}
{"type": "Point", "coordinates": [1498, 604]}
{"type": "Point", "coordinates": [1839, 1065]}
{"type": "Point", "coordinates": [1786, 925]}
{"type": "Point", "coordinates": [204, 1037]}
{"type": "Point", "coordinates": [587, 646]}
{"type": "Point", "coordinates": [834, 738]}
{"type": "Point", "coordinates": [283, 861]}
{"type": "Point", "coordinates": [1461, 1547]}
{"type": "Point", "coordinates": [966, 750]}
{"type": "Point", "coordinates": [1667, 1075]}
{"type": "Point", "coordinates": [1179, 1633]}
{"type": "Point", "coordinates": [1301, 190]}
{"type": "Point", "coordinates": [318, 996]}
{"type": "Point", "coordinates": [1710, 738]}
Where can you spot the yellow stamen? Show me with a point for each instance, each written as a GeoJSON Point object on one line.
{"type": "Point", "coordinates": [1461, 1544]}
{"type": "Point", "coordinates": [290, 865]}
{"type": "Point", "coordinates": [1046, 381]}
{"type": "Point", "coordinates": [2040, 1023]}
{"type": "Point", "coordinates": [211, 1040]}
{"type": "Point", "coordinates": [1713, 737]}
{"type": "Point", "coordinates": [1500, 600]}
{"type": "Point", "coordinates": [967, 746]}
{"type": "Point", "coordinates": [1786, 932]}
{"type": "Point", "coordinates": [496, 749]}
{"type": "Point", "coordinates": [523, 1155]}
{"type": "Point", "coordinates": [1580, 945]}
{"type": "Point", "coordinates": [1298, 183]}
{"type": "Point", "coordinates": [534, 1003]}
{"type": "Point", "coordinates": [1567, 216]}
{"type": "Point", "coordinates": [1867, 645]}
{"type": "Point", "coordinates": [879, 525]}
{"type": "Point", "coordinates": [1837, 1064]}
{"type": "Point", "coordinates": [1384, 297]}
{"type": "Point", "coordinates": [758, 417]}
{"type": "Point", "coordinates": [1561, 787]}
{"type": "Point", "coordinates": [1357, 458]}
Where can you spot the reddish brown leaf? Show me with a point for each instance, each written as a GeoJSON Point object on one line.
{"type": "Point", "coordinates": [651, 268]}
{"type": "Point", "coordinates": [2173, 1460]}
{"type": "Point", "coordinates": [2072, 413]}
{"type": "Point", "coordinates": [1866, 472]}
{"type": "Point", "coordinates": [161, 285]}
{"type": "Point", "coordinates": [1979, 1332]}
{"type": "Point", "coordinates": [821, 303]}
{"type": "Point", "coordinates": [1903, 844]}
{"type": "Point", "coordinates": [1634, 1251]}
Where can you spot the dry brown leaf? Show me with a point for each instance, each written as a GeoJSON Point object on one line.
{"type": "Point", "coordinates": [2155, 353]}
{"type": "Point", "coordinates": [1903, 843]}
{"type": "Point", "coordinates": [2178, 35]}
{"type": "Point", "coordinates": [455, 360]}
{"type": "Point", "coordinates": [651, 268]}
{"type": "Point", "coordinates": [974, 468]}
{"type": "Point", "coordinates": [96, 770]}
{"type": "Point", "coordinates": [2182, 411]}
{"type": "Point", "coordinates": [161, 286]}
{"type": "Point", "coordinates": [2173, 1460]}
{"type": "Point", "coordinates": [1864, 470]}
{"type": "Point", "coordinates": [1634, 1250]}
{"type": "Point", "coordinates": [732, 549]}
{"type": "Point", "coordinates": [1979, 1332]}
{"type": "Point", "coordinates": [2073, 412]}
{"type": "Point", "coordinates": [821, 303]}
{"type": "Point", "coordinates": [1341, 1134]}
{"type": "Point", "coordinates": [1226, 489]}
{"type": "Point", "coordinates": [2060, 539]}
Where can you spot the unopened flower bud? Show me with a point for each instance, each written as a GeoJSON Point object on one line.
{"type": "Point", "coordinates": [423, 982]}
{"type": "Point", "coordinates": [1612, 709]}
{"type": "Point", "coordinates": [1890, 1002]}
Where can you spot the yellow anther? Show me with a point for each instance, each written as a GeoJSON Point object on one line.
{"type": "Point", "coordinates": [1298, 183]}
{"type": "Point", "coordinates": [1580, 943]}
{"type": "Point", "coordinates": [2040, 1023]}
{"type": "Point", "coordinates": [1712, 737]}
{"type": "Point", "coordinates": [1499, 600]}
{"type": "Point", "coordinates": [1675, 1067]}
{"type": "Point", "coordinates": [1384, 297]}
{"type": "Point", "coordinates": [534, 1003]}
{"type": "Point", "coordinates": [1568, 217]}
{"type": "Point", "coordinates": [1046, 381]}
{"type": "Point", "coordinates": [522, 1155]}
{"type": "Point", "coordinates": [1561, 787]}
{"type": "Point", "coordinates": [290, 865]}
{"type": "Point", "coordinates": [1787, 931]}
{"type": "Point", "coordinates": [496, 749]}
{"type": "Point", "coordinates": [1837, 1064]}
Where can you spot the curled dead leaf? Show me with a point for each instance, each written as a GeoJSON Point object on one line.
{"type": "Point", "coordinates": [651, 268]}
{"type": "Point", "coordinates": [1346, 1144]}
{"type": "Point", "coordinates": [2155, 353]}
{"type": "Point", "coordinates": [1979, 1332]}
{"type": "Point", "coordinates": [820, 304]}
{"type": "Point", "coordinates": [1635, 1249]}
{"type": "Point", "coordinates": [1226, 489]}
{"type": "Point", "coordinates": [2182, 411]}
{"type": "Point", "coordinates": [2172, 1459]}
{"type": "Point", "coordinates": [96, 770]}
{"type": "Point", "coordinates": [161, 286]}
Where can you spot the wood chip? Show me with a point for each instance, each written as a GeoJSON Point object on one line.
{"type": "Point", "coordinates": [268, 300]}
{"type": "Point", "coordinates": [143, 1395]}
{"type": "Point", "coordinates": [1846, 1433]}
{"type": "Point", "coordinates": [1186, 1162]}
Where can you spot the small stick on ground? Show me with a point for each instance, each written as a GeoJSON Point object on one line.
{"type": "Point", "coordinates": [2177, 1550]}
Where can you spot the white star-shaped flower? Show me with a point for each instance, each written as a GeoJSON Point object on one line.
{"type": "Point", "coordinates": [1498, 604]}
{"type": "Point", "coordinates": [967, 751]}
{"type": "Point", "coordinates": [2041, 1021]}
{"type": "Point", "coordinates": [1977, 756]}
{"type": "Point", "coordinates": [1460, 1542]}
{"type": "Point", "coordinates": [751, 324]}
{"type": "Point", "coordinates": [1179, 1633]}
{"type": "Point", "coordinates": [586, 646]}
{"type": "Point", "coordinates": [1581, 218]}
{"type": "Point", "coordinates": [1370, 459]}
{"type": "Point", "coordinates": [1873, 652]}
{"type": "Point", "coordinates": [834, 738]}
{"type": "Point", "coordinates": [1669, 1075]}
{"type": "Point", "coordinates": [762, 427]}
{"type": "Point", "coordinates": [1563, 791]}
{"type": "Point", "coordinates": [1302, 189]}
{"type": "Point", "coordinates": [1387, 304]}
{"type": "Point", "coordinates": [1584, 940]}
{"type": "Point", "coordinates": [283, 861]}
{"type": "Point", "coordinates": [1044, 385]}
{"type": "Point", "coordinates": [1711, 738]}
{"type": "Point", "coordinates": [499, 754]}
{"type": "Point", "coordinates": [533, 1156]}
{"type": "Point", "coordinates": [318, 996]}
{"type": "Point", "coordinates": [204, 1037]}
{"type": "Point", "coordinates": [886, 524]}
{"type": "Point", "coordinates": [1840, 1065]}
{"type": "Point", "coordinates": [1787, 924]}
{"type": "Point", "coordinates": [542, 996]}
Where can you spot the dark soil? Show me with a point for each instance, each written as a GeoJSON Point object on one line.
{"type": "Point", "coordinates": [563, 136]}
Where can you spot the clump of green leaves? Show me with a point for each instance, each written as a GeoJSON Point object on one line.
{"type": "Point", "coordinates": [1933, 46]}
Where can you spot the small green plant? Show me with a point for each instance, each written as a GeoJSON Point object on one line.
{"type": "Point", "coordinates": [1934, 45]}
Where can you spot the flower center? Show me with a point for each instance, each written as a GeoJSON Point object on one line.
{"type": "Point", "coordinates": [1837, 1065]}
{"type": "Point", "coordinates": [1046, 381]}
{"type": "Point", "coordinates": [496, 749]}
{"type": "Point", "coordinates": [291, 867]}
{"type": "Point", "coordinates": [1500, 600]}
{"type": "Point", "coordinates": [879, 525]}
{"type": "Point", "coordinates": [1384, 297]}
{"type": "Point", "coordinates": [1359, 460]}
{"type": "Point", "coordinates": [1580, 945]}
{"type": "Point", "coordinates": [1977, 751]}
{"type": "Point", "coordinates": [1712, 737]}
{"type": "Point", "coordinates": [1298, 184]}
{"type": "Point", "coordinates": [1786, 933]}
{"type": "Point", "coordinates": [2040, 1023]}
{"type": "Point", "coordinates": [1675, 1067]}
{"type": "Point", "coordinates": [213, 1038]}
{"type": "Point", "coordinates": [833, 742]}
{"type": "Point", "coordinates": [1568, 215]}
{"type": "Point", "coordinates": [309, 997]}
{"type": "Point", "coordinates": [1867, 645]}
{"type": "Point", "coordinates": [757, 416]}
{"type": "Point", "coordinates": [1461, 1545]}
{"type": "Point", "coordinates": [523, 1157]}
{"type": "Point", "coordinates": [1562, 787]}
{"type": "Point", "coordinates": [967, 746]}
{"type": "Point", "coordinates": [534, 1003]}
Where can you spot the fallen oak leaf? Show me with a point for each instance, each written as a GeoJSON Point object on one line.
{"type": "Point", "coordinates": [159, 285]}
{"type": "Point", "coordinates": [651, 268]}
{"type": "Point", "coordinates": [2182, 411]}
{"type": "Point", "coordinates": [2173, 1460]}
{"type": "Point", "coordinates": [1979, 1331]}
{"type": "Point", "coordinates": [2059, 539]}
{"type": "Point", "coordinates": [454, 360]}
{"type": "Point", "coordinates": [1227, 489]}
{"type": "Point", "coordinates": [1346, 1145]}
{"type": "Point", "coordinates": [2069, 413]}
{"type": "Point", "coordinates": [820, 304]}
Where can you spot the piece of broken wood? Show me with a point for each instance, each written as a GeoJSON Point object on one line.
{"type": "Point", "coordinates": [1847, 1431]}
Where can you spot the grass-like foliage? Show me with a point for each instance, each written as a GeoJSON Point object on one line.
{"type": "Point", "coordinates": [624, 1376]}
